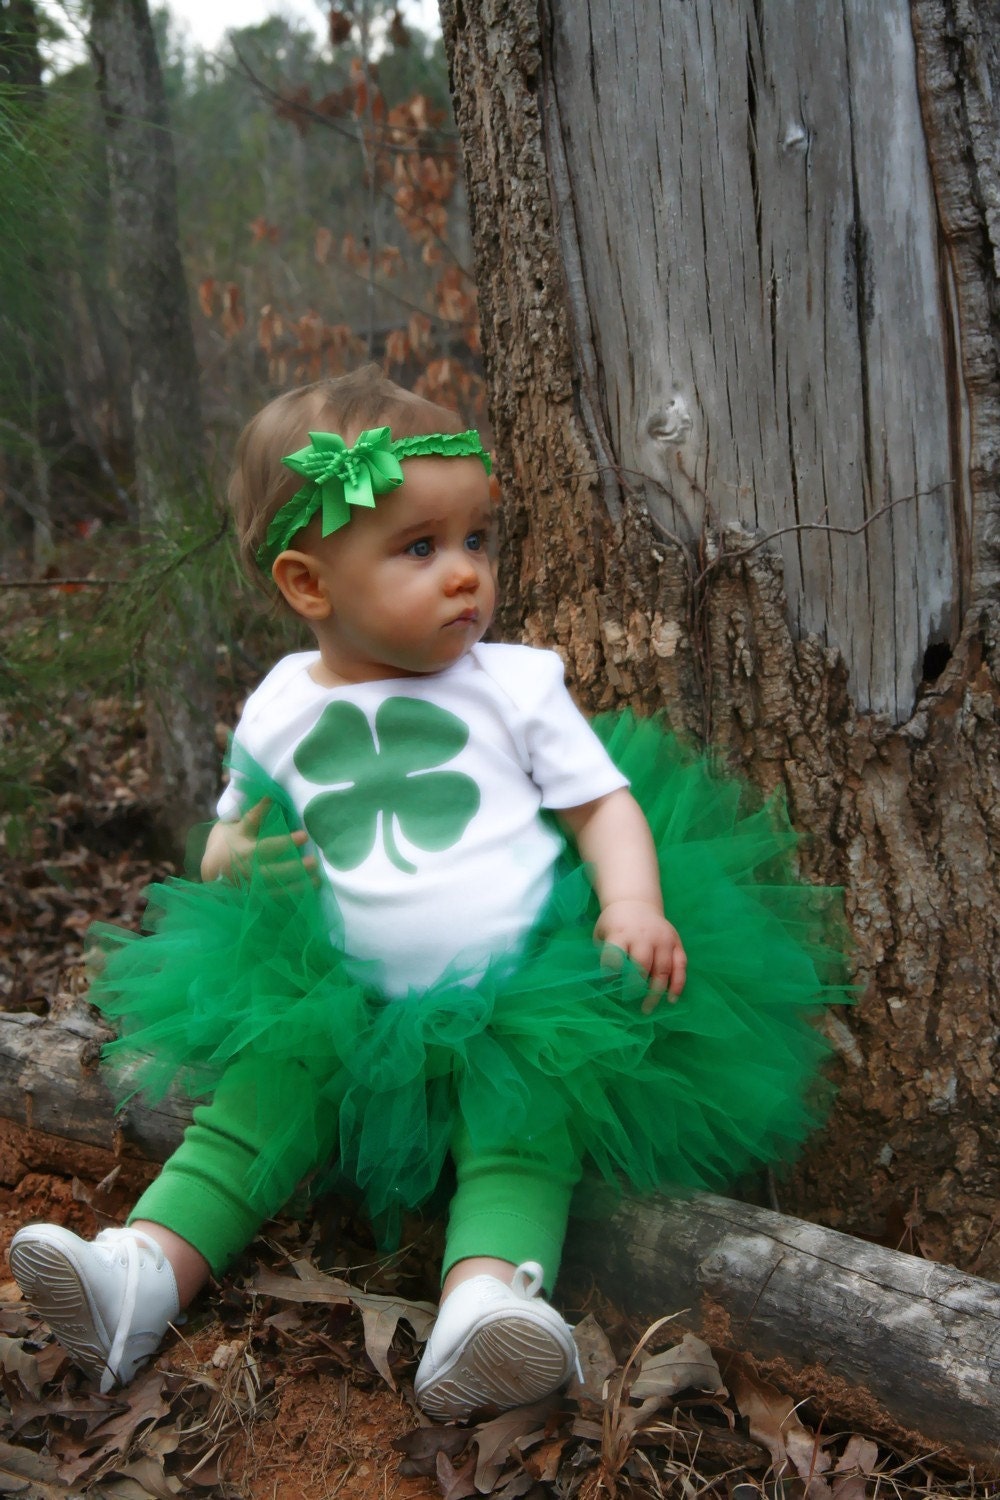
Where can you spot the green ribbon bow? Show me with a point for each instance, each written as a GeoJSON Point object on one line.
{"type": "Point", "coordinates": [339, 477]}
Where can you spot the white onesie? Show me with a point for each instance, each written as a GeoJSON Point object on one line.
{"type": "Point", "coordinates": [421, 797]}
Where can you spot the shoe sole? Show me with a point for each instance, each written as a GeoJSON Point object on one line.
{"type": "Point", "coordinates": [509, 1360]}
{"type": "Point", "coordinates": [54, 1287]}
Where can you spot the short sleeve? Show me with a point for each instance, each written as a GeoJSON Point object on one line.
{"type": "Point", "coordinates": [565, 758]}
{"type": "Point", "coordinates": [232, 804]}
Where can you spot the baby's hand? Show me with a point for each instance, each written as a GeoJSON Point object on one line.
{"type": "Point", "coordinates": [233, 848]}
{"type": "Point", "coordinates": [640, 929]}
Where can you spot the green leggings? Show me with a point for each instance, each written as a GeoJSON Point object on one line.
{"type": "Point", "coordinates": [509, 1204]}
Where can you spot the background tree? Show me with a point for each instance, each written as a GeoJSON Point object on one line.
{"type": "Point", "coordinates": [170, 472]}
{"type": "Point", "coordinates": [35, 427]}
{"type": "Point", "coordinates": [740, 328]}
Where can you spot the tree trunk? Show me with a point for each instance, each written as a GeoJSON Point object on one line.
{"type": "Point", "coordinates": [737, 270]}
{"type": "Point", "coordinates": [171, 475]}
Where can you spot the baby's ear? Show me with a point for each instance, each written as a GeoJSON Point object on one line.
{"type": "Point", "coordinates": [297, 578]}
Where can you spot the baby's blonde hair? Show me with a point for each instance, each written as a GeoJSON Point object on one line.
{"type": "Point", "coordinates": [260, 484]}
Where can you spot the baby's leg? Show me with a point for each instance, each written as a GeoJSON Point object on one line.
{"type": "Point", "coordinates": [496, 1344]}
{"type": "Point", "coordinates": [110, 1301]}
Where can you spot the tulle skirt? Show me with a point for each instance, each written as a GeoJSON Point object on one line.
{"type": "Point", "coordinates": [558, 1051]}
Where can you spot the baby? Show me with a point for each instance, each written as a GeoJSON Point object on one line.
{"type": "Point", "coordinates": [435, 990]}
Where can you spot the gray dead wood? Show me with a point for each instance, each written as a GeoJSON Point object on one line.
{"type": "Point", "coordinates": [922, 1338]}
{"type": "Point", "coordinates": [50, 1082]}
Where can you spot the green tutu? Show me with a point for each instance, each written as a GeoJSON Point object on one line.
{"type": "Point", "coordinates": [692, 1096]}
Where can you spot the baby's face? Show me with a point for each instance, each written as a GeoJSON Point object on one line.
{"type": "Point", "coordinates": [411, 583]}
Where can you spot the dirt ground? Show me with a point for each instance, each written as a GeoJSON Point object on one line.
{"type": "Point", "coordinates": [321, 1426]}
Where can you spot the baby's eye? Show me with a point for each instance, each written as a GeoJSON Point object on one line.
{"type": "Point", "coordinates": [476, 541]}
{"type": "Point", "coordinates": [421, 548]}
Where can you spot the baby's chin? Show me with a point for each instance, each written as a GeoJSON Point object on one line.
{"type": "Point", "coordinates": [445, 652]}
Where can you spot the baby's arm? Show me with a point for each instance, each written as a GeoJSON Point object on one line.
{"type": "Point", "coordinates": [233, 847]}
{"type": "Point", "coordinates": [613, 837]}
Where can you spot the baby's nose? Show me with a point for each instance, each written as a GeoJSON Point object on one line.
{"type": "Point", "coordinates": [462, 576]}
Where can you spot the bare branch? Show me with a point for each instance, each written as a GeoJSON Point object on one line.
{"type": "Point", "coordinates": [450, 146]}
{"type": "Point", "coordinates": [398, 297]}
{"type": "Point", "coordinates": [157, 579]}
{"type": "Point", "coordinates": [62, 583]}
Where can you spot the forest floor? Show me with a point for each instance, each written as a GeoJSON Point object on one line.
{"type": "Point", "coordinates": [292, 1379]}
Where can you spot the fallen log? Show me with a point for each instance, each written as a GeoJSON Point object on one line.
{"type": "Point", "coordinates": [912, 1346]}
{"type": "Point", "coordinates": [50, 1081]}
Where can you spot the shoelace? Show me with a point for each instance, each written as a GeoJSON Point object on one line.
{"type": "Point", "coordinates": [527, 1283]}
{"type": "Point", "coordinates": [133, 1242]}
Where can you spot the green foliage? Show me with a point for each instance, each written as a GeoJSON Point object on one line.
{"type": "Point", "coordinates": [65, 649]}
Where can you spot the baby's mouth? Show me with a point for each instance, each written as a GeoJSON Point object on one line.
{"type": "Point", "coordinates": [467, 617]}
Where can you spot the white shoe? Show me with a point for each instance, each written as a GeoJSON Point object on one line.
{"type": "Point", "coordinates": [108, 1301]}
{"type": "Point", "coordinates": [494, 1346]}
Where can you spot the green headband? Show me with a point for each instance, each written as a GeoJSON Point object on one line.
{"type": "Point", "coordinates": [340, 476]}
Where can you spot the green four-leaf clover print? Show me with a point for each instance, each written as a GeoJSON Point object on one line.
{"type": "Point", "coordinates": [390, 772]}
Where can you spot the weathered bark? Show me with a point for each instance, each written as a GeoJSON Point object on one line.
{"type": "Point", "coordinates": [902, 814]}
{"type": "Point", "coordinates": [171, 477]}
{"type": "Point", "coordinates": [904, 1345]}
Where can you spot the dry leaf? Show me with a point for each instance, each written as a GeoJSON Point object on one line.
{"type": "Point", "coordinates": [124, 1487]}
{"type": "Point", "coordinates": [380, 1324]}
{"type": "Point", "coordinates": [143, 1404]}
{"type": "Point", "coordinates": [90, 1412]}
{"type": "Point", "coordinates": [50, 1360]}
{"type": "Point", "coordinates": [494, 1440]}
{"type": "Point", "coordinates": [856, 1465]}
{"type": "Point", "coordinates": [596, 1359]}
{"type": "Point", "coordinates": [689, 1365]}
{"type": "Point", "coordinates": [288, 1321]}
{"type": "Point", "coordinates": [775, 1424]}
{"type": "Point", "coordinates": [518, 1484]}
{"type": "Point", "coordinates": [631, 1419]}
{"type": "Point", "coordinates": [422, 1446]}
{"type": "Point", "coordinates": [17, 1361]}
{"type": "Point", "coordinates": [380, 1315]}
{"type": "Point", "coordinates": [145, 1471]}
{"type": "Point", "coordinates": [40, 1474]}
{"type": "Point", "coordinates": [544, 1464]}
{"type": "Point", "coordinates": [584, 1427]}
{"type": "Point", "coordinates": [456, 1484]}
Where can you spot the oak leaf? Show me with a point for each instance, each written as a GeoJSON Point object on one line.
{"type": "Point", "coordinates": [380, 1315]}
